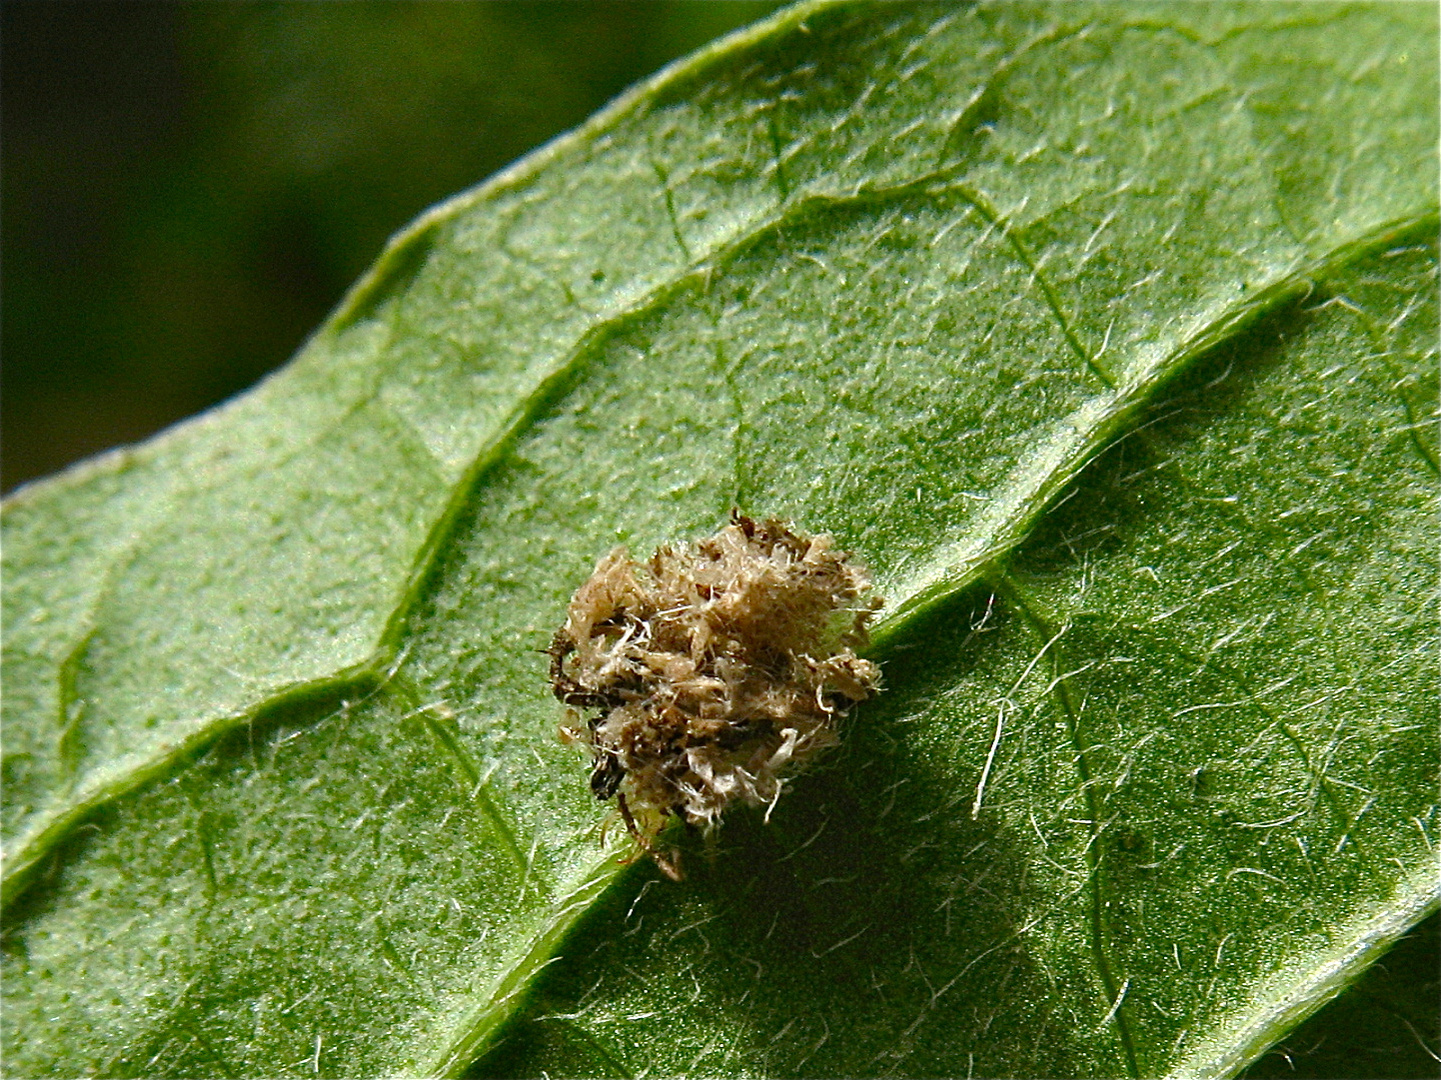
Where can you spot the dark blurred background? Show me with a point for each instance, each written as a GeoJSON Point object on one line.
{"type": "Point", "coordinates": [188, 188]}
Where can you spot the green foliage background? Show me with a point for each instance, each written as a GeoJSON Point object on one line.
{"type": "Point", "coordinates": [191, 187]}
{"type": "Point", "coordinates": [1106, 334]}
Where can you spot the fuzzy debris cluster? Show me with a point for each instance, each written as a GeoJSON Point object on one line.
{"type": "Point", "coordinates": [711, 671]}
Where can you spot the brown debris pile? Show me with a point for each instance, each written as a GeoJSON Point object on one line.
{"type": "Point", "coordinates": [711, 671]}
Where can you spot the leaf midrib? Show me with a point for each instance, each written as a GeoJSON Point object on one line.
{"type": "Point", "coordinates": [1002, 524]}
{"type": "Point", "coordinates": [487, 1015]}
{"type": "Point", "coordinates": [1005, 521]}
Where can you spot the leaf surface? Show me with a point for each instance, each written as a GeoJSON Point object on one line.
{"type": "Point", "coordinates": [1104, 334]}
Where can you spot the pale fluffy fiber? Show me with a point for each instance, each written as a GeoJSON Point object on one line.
{"type": "Point", "coordinates": [712, 671]}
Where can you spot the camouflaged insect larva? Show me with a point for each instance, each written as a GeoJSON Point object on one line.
{"type": "Point", "coordinates": [711, 672]}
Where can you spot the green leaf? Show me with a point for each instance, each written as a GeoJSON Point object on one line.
{"type": "Point", "coordinates": [1105, 334]}
{"type": "Point", "coordinates": [1385, 1025]}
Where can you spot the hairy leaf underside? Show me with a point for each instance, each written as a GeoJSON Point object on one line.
{"type": "Point", "coordinates": [1105, 335]}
